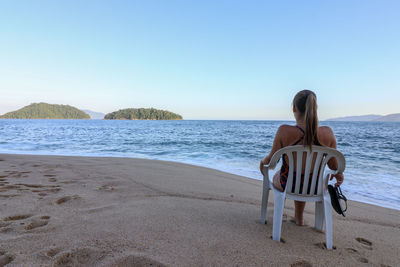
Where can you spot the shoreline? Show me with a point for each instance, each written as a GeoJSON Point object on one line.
{"type": "Point", "coordinates": [69, 210]}
{"type": "Point", "coordinates": [382, 205]}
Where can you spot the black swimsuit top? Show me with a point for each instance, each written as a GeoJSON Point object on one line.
{"type": "Point", "coordinates": [285, 165]}
{"type": "Point", "coordinates": [285, 169]}
{"type": "Point", "coordinates": [298, 141]}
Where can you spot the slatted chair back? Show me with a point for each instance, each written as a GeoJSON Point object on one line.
{"type": "Point", "coordinates": [306, 169]}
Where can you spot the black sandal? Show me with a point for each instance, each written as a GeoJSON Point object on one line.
{"type": "Point", "coordinates": [337, 195]}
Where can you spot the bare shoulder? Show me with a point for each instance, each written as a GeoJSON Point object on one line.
{"type": "Point", "coordinates": [282, 133]}
{"type": "Point", "coordinates": [326, 136]}
{"type": "Point", "coordinates": [326, 130]}
{"type": "Point", "coordinates": [284, 129]}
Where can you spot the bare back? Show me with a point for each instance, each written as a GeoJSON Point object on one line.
{"type": "Point", "coordinates": [288, 135]}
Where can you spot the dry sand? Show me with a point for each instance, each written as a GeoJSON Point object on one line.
{"type": "Point", "coordinates": [86, 211]}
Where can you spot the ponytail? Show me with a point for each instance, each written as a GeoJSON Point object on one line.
{"type": "Point", "coordinates": [306, 103]}
{"type": "Point", "coordinates": [311, 121]}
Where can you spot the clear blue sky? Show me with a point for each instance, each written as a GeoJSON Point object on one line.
{"type": "Point", "coordinates": [202, 59]}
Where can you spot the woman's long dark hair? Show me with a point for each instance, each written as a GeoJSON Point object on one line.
{"type": "Point", "coordinates": [305, 102]}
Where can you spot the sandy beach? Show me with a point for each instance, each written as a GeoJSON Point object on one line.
{"type": "Point", "coordinates": [87, 211]}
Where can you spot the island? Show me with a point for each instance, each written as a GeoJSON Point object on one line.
{"type": "Point", "coordinates": [142, 114]}
{"type": "Point", "coordinates": [395, 117]}
{"type": "Point", "coordinates": [46, 111]}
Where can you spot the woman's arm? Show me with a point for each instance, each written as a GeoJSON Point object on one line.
{"type": "Point", "coordinates": [277, 144]}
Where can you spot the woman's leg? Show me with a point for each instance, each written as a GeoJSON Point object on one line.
{"type": "Point", "coordinates": [298, 205]}
{"type": "Point", "coordinates": [277, 181]}
{"type": "Point", "coordinates": [298, 212]}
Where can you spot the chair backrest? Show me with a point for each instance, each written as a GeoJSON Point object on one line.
{"type": "Point", "coordinates": [310, 164]}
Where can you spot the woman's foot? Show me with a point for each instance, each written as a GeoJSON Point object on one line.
{"type": "Point", "coordinates": [299, 221]}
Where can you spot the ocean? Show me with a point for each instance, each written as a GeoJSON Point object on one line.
{"type": "Point", "coordinates": [371, 149]}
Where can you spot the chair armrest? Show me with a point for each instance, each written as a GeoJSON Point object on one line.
{"type": "Point", "coordinates": [266, 179]}
{"type": "Point", "coordinates": [331, 172]}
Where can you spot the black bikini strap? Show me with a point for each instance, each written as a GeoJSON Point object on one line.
{"type": "Point", "coordinates": [300, 129]}
{"type": "Point", "coordinates": [298, 141]}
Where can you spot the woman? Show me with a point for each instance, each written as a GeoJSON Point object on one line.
{"type": "Point", "coordinates": [305, 132]}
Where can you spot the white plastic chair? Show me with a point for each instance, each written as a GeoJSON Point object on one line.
{"type": "Point", "coordinates": [318, 192]}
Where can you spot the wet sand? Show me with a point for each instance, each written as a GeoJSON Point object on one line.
{"type": "Point", "coordinates": [87, 211]}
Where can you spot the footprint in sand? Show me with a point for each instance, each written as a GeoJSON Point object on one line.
{"type": "Point", "coordinates": [322, 245]}
{"type": "Point", "coordinates": [11, 186]}
{"type": "Point", "coordinates": [351, 250]}
{"type": "Point", "coordinates": [52, 252]}
{"type": "Point", "coordinates": [51, 190]}
{"type": "Point", "coordinates": [35, 224]}
{"type": "Point", "coordinates": [16, 174]}
{"type": "Point", "coordinates": [32, 185]}
{"type": "Point", "coordinates": [38, 188]}
{"type": "Point", "coordinates": [42, 221]}
{"type": "Point", "coordinates": [17, 217]}
{"type": "Point", "coordinates": [356, 255]}
{"type": "Point", "coordinates": [65, 199]}
{"type": "Point", "coordinates": [133, 260]}
{"type": "Point", "coordinates": [301, 263]}
{"type": "Point", "coordinates": [79, 257]}
{"type": "Point", "coordinates": [108, 188]}
{"type": "Point", "coordinates": [282, 240]}
{"type": "Point", "coordinates": [365, 242]}
{"type": "Point", "coordinates": [23, 189]}
{"type": "Point", "coordinates": [6, 230]}
{"type": "Point", "coordinates": [4, 224]}
{"type": "Point", "coordinates": [5, 258]}
{"type": "Point", "coordinates": [9, 195]}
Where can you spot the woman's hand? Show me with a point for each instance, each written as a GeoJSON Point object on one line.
{"type": "Point", "coordinates": [339, 178]}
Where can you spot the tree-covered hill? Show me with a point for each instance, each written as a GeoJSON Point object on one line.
{"type": "Point", "coordinates": [142, 114]}
{"type": "Point", "coordinates": [46, 111]}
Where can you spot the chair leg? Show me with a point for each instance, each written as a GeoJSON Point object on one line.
{"type": "Point", "coordinates": [264, 205]}
{"type": "Point", "coordinates": [279, 204]}
{"type": "Point", "coordinates": [328, 222]}
{"type": "Point", "coordinates": [319, 215]}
